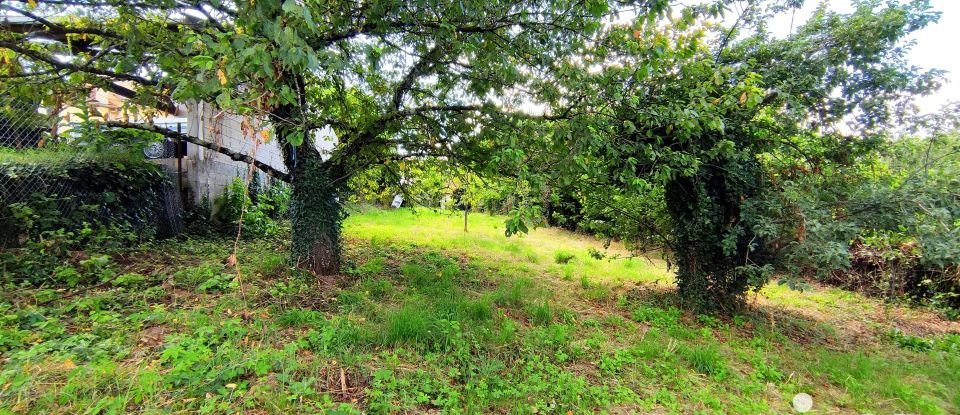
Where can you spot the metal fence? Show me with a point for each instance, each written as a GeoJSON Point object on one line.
{"type": "Point", "coordinates": [39, 153]}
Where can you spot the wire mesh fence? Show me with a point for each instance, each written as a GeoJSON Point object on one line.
{"type": "Point", "coordinates": [48, 179]}
{"type": "Point", "coordinates": [42, 151]}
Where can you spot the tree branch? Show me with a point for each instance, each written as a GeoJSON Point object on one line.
{"type": "Point", "coordinates": [419, 69]}
{"type": "Point", "coordinates": [55, 29]}
{"type": "Point", "coordinates": [49, 60]}
{"type": "Point", "coordinates": [235, 156]}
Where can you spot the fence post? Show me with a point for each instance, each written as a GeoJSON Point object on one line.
{"type": "Point", "coordinates": [179, 153]}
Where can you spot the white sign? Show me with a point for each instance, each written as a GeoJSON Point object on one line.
{"type": "Point", "coordinates": [397, 201]}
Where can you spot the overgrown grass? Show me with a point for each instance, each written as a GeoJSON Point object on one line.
{"type": "Point", "coordinates": [429, 319]}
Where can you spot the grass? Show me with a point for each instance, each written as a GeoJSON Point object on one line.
{"type": "Point", "coordinates": [430, 319]}
{"type": "Point", "coordinates": [563, 256]}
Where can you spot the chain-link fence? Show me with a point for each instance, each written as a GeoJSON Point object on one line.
{"type": "Point", "coordinates": [50, 180]}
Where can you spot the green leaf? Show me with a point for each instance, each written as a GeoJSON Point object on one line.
{"type": "Point", "coordinates": [295, 139]}
{"type": "Point", "coordinates": [202, 62]}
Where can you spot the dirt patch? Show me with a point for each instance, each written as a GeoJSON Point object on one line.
{"type": "Point", "coordinates": [152, 337]}
{"type": "Point", "coordinates": [344, 384]}
{"type": "Point", "coordinates": [843, 325]}
{"type": "Point", "coordinates": [916, 322]}
{"type": "Point", "coordinates": [153, 262]}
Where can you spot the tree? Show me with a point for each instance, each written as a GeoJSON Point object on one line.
{"type": "Point", "coordinates": [394, 79]}
{"type": "Point", "coordinates": [676, 123]}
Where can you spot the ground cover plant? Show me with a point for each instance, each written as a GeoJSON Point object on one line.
{"type": "Point", "coordinates": [428, 318]}
{"type": "Point", "coordinates": [739, 215]}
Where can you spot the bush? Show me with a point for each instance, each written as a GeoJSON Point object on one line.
{"type": "Point", "coordinates": [258, 216]}
{"type": "Point", "coordinates": [50, 190]}
{"type": "Point", "coordinates": [54, 204]}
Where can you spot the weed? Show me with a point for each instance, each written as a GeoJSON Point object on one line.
{"type": "Point", "coordinates": [374, 266]}
{"type": "Point", "coordinates": [906, 341]}
{"type": "Point", "coordinates": [540, 313]}
{"type": "Point", "coordinates": [349, 300]}
{"type": "Point", "coordinates": [533, 257]}
{"type": "Point", "coordinates": [378, 288]}
{"type": "Point", "coordinates": [597, 292]}
{"type": "Point", "coordinates": [428, 280]}
{"type": "Point", "coordinates": [456, 307]}
{"type": "Point", "coordinates": [595, 253]}
{"type": "Point", "coordinates": [300, 317]}
{"type": "Point", "coordinates": [128, 280]}
{"type": "Point", "coordinates": [709, 321]}
{"type": "Point", "coordinates": [706, 360]}
{"type": "Point", "coordinates": [659, 317]}
{"type": "Point", "coordinates": [512, 294]}
{"type": "Point", "coordinates": [205, 277]}
{"type": "Point", "coordinates": [763, 371]}
{"type": "Point", "coordinates": [561, 256]}
{"type": "Point", "coordinates": [272, 264]}
{"type": "Point", "coordinates": [218, 283]}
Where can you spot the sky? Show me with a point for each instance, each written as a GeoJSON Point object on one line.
{"type": "Point", "coordinates": [936, 46]}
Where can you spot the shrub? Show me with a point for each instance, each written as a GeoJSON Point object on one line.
{"type": "Point", "coordinates": [56, 202]}
{"type": "Point", "coordinates": [48, 191]}
{"type": "Point", "coordinates": [198, 218]}
{"type": "Point", "coordinates": [53, 258]}
{"type": "Point", "coordinates": [258, 217]}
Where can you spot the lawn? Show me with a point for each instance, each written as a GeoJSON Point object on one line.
{"type": "Point", "coordinates": [430, 319]}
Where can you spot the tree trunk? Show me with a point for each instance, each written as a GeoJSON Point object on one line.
{"type": "Point", "coordinates": [315, 214]}
{"type": "Point", "coordinates": [713, 244]}
{"type": "Point", "coordinates": [315, 209]}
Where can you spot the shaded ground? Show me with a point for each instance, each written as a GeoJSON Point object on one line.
{"type": "Point", "coordinates": [428, 319]}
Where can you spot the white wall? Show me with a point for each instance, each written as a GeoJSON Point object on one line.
{"type": "Point", "coordinates": [208, 172]}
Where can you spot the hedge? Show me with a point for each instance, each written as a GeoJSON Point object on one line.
{"type": "Point", "coordinates": [43, 191]}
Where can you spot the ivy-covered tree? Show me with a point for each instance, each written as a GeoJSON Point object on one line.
{"type": "Point", "coordinates": [676, 123]}
{"type": "Point", "coordinates": [394, 79]}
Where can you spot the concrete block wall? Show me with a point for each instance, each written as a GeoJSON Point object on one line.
{"type": "Point", "coordinates": [207, 172]}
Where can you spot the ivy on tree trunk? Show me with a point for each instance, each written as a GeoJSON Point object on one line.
{"type": "Point", "coordinates": [315, 215]}
{"type": "Point", "coordinates": [713, 244]}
